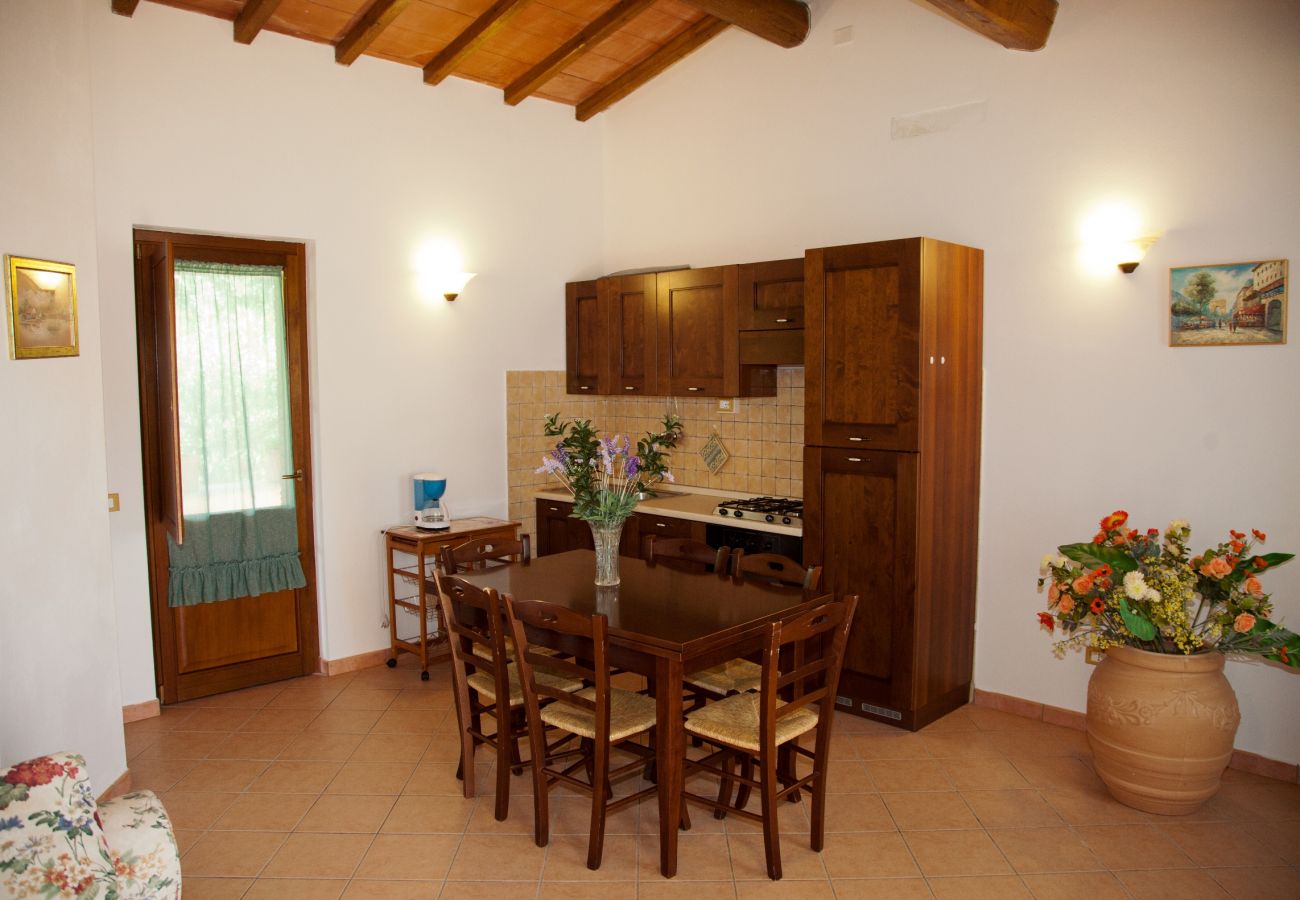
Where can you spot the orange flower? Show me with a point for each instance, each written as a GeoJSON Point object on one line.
{"type": "Point", "coordinates": [1253, 587]}
{"type": "Point", "coordinates": [1053, 593]}
{"type": "Point", "coordinates": [1243, 623]}
{"type": "Point", "coordinates": [1260, 562]}
{"type": "Point", "coordinates": [1046, 620]}
{"type": "Point", "coordinates": [1282, 654]}
{"type": "Point", "coordinates": [1216, 568]}
{"type": "Point", "coordinates": [1114, 520]}
{"type": "Point", "coordinates": [1097, 605]}
{"type": "Point", "coordinates": [1082, 584]}
{"type": "Point", "coordinates": [1236, 534]}
{"type": "Point", "coordinates": [1237, 546]}
{"type": "Point", "coordinates": [1102, 571]}
{"type": "Point", "coordinates": [1067, 603]}
{"type": "Point", "coordinates": [1259, 535]}
{"type": "Point", "coordinates": [1099, 537]}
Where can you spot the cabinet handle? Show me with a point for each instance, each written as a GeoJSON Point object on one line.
{"type": "Point", "coordinates": [931, 360]}
{"type": "Point", "coordinates": [855, 459]}
{"type": "Point", "coordinates": [694, 389]}
{"type": "Point", "coordinates": [857, 440]}
{"type": "Point", "coordinates": [586, 387]}
{"type": "Point", "coordinates": [783, 321]}
{"type": "Point", "coordinates": [628, 387]}
{"type": "Point", "coordinates": [553, 508]}
{"type": "Point", "coordinates": [942, 361]}
{"type": "Point", "coordinates": [661, 525]}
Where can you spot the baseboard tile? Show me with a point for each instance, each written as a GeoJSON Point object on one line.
{"type": "Point", "coordinates": [119, 787]}
{"type": "Point", "coordinates": [137, 711]}
{"type": "Point", "coordinates": [1242, 760]}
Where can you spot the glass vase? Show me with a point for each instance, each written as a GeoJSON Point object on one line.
{"type": "Point", "coordinates": [606, 536]}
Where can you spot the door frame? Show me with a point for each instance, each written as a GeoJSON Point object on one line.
{"type": "Point", "coordinates": [172, 687]}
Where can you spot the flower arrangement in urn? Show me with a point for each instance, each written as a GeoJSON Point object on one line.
{"type": "Point", "coordinates": [1161, 714]}
{"type": "Point", "coordinates": [607, 476]}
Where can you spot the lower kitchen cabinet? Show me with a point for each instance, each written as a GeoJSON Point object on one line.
{"type": "Point", "coordinates": [558, 531]}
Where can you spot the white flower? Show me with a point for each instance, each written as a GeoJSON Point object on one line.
{"type": "Point", "coordinates": [1135, 585]}
{"type": "Point", "coordinates": [1043, 565]}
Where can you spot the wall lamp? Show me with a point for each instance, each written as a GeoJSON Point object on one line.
{"type": "Point", "coordinates": [454, 283]}
{"type": "Point", "coordinates": [1133, 251]}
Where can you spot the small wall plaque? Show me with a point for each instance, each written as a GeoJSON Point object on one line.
{"type": "Point", "coordinates": [714, 453]}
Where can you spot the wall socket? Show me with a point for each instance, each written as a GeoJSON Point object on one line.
{"type": "Point", "coordinates": [726, 404]}
{"type": "Point", "coordinates": [1093, 655]}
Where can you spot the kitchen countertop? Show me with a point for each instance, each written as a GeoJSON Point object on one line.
{"type": "Point", "coordinates": [694, 503]}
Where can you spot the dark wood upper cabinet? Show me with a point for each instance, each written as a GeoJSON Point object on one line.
{"type": "Point", "coordinates": [770, 295]}
{"type": "Point", "coordinates": [628, 303]}
{"type": "Point", "coordinates": [698, 340]}
{"type": "Point", "coordinates": [586, 346]}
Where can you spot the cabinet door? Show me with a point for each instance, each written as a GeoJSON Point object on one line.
{"type": "Point", "coordinates": [862, 345]}
{"type": "Point", "coordinates": [553, 526]}
{"type": "Point", "coordinates": [698, 339]}
{"type": "Point", "coordinates": [585, 339]}
{"type": "Point", "coordinates": [628, 305]}
{"type": "Point", "coordinates": [860, 526]}
{"type": "Point", "coordinates": [771, 294]}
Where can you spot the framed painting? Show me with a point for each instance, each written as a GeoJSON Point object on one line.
{"type": "Point", "coordinates": [1230, 304]}
{"type": "Point", "coordinates": [42, 308]}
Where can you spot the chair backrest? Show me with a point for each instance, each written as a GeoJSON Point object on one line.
{"type": "Point", "coordinates": [474, 616]}
{"type": "Point", "coordinates": [775, 569]}
{"type": "Point", "coordinates": [584, 639]}
{"type": "Point", "coordinates": [684, 553]}
{"type": "Point", "coordinates": [805, 683]}
{"type": "Point", "coordinates": [476, 553]}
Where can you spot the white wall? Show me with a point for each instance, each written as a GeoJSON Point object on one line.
{"type": "Point", "coordinates": [1187, 110]}
{"type": "Point", "coordinates": [196, 132]}
{"type": "Point", "coordinates": [58, 662]}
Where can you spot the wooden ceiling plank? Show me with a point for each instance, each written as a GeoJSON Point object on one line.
{"type": "Point", "coordinates": [1015, 24]}
{"type": "Point", "coordinates": [617, 16]}
{"type": "Point", "coordinates": [783, 22]}
{"type": "Point", "coordinates": [373, 21]}
{"type": "Point", "coordinates": [465, 43]}
{"type": "Point", "coordinates": [690, 39]}
{"type": "Point", "coordinates": [252, 17]}
{"type": "Point", "coordinates": [125, 7]}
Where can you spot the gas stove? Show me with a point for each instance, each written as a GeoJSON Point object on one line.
{"type": "Point", "coordinates": [775, 510]}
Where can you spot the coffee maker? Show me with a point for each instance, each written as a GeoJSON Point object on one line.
{"type": "Point", "coordinates": [431, 514]}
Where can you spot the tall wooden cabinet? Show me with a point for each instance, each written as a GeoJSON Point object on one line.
{"type": "Point", "coordinates": [893, 340]}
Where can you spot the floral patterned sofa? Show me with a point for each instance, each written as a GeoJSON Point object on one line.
{"type": "Point", "coordinates": [55, 841]}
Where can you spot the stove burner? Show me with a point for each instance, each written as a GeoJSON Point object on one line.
{"type": "Point", "coordinates": [777, 510]}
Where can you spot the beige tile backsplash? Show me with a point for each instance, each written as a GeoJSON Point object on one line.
{"type": "Point", "coordinates": [764, 435]}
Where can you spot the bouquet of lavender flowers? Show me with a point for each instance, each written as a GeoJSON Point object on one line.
{"type": "Point", "coordinates": [605, 475]}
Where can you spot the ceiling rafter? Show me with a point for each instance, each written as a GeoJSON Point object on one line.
{"type": "Point", "coordinates": [378, 16]}
{"type": "Point", "coordinates": [783, 22]}
{"type": "Point", "coordinates": [252, 17]}
{"type": "Point", "coordinates": [469, 40]}
{"type": "Point", "coordinates": [614, 19]}
{"type": "Point", "coordinates": [1015, 24]}
{"type": "Point", "coordinates": [125, 7]}
{"type": "Point", "coordinates": [685, 42]}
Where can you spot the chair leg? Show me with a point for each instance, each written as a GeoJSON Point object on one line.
{"type": "Point", "coordinates": [771, 831]}
{"type": "Point", "coordinates": [599, 784]}
{"type": "Point", "coordinates": [506, 750]}
{"type": "Point", "coordinates": [818, 806]}
{"type": "Point", "coordinates": [466, 771]}
{"type": "Point", "coordinates": [786, 758]}
{"type": "Point", "coordinates": [520, 727]}
{"type": "Point", "coordinates": [746, 771]}
{"type": "Point", "coordinates": [724, 789]}
{"type": "Point", "coordinates": [541, 814]}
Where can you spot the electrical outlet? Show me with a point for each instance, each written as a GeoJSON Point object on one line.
{"type": "Point", "coordinates": [1094, 655]}
{"type": "Point", "coordinates": [726, 404]}
{"type": "Point", "coordinates": [114, 502]}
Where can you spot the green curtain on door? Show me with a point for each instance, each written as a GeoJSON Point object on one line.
{"type": "Point", "coordinates": [236, 441]}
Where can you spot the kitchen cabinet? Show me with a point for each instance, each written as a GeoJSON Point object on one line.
{"type": "Point", "coordinates": [770, 295]}
{"type": "Point", "coordinates": [586, 363]}
{"type": "Point", "coordinates": [558, 531]}
{"type": "Point", "coordinates": [697, 331]}
{"type": "Point", "coordinates": [628, 306]}
{"type": "Point", "coordinates": [893, 369]}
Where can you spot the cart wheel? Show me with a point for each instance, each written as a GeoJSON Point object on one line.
{"type": "Point", "coordinates": [392, 663]}
{"type": "Point", "coordinates": [424, 676]}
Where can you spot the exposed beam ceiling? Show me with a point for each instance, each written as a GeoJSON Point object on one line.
{"type": "Point", "coordinates": [1015, 24]}
{"type": "Point", "coordinates": [374, 20]}
{"type": "Point", "coordinates": [783, 22]}
{"type": "Point", "coordinates": [689, 40]}
{"type": "Point", "coordinates": [251, 19]}
{"type": "Point", "coordinates": [469, 40]}
{"type": "Point", "coordinates": [617, 16]}
{"type": "Point", "coordinates": [125, 7]}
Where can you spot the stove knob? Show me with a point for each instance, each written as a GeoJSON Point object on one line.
{"type": "Point", "coordinates": [771, 518]}
{"type": "Point", "coordinates": [722, 512]}
{"type": "Point", "coordinates": [785, 520]}
{"type": "Point", "coordinates": [738, 513]}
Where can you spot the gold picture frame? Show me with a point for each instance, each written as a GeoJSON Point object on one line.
{"type": "Point", "coordinates": [42, 308]}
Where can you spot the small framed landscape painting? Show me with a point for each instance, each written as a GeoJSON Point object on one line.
{"type": "Point", "coordinates": [1228, 304]}
{"type": "Point", "coordinates": [42, 308]}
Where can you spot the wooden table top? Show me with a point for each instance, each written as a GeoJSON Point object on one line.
{"type": "Point", "coordinates": [459, 528]}
{"type": "Point", "coordinates": [679, 612]}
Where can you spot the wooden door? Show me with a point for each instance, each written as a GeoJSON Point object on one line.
{"type": "Point", "coordinates": [698, 337]}
{"type": "Point", "coordinates": [861, 528]}
{"type": "Point", "coordinates": [862, 345]}
{"type": "Point", "coordinates": [771, 294]}
{"type": "Point", "coordinates": [628, 303]}
{"type": "Point", "coordinates": [213, 647]}
{"type": "Point", "coordinates": [585, 339]}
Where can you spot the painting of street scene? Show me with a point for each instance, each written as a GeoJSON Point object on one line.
{"type": "Point", "coordinates": [1234, 303]}
{"type": "Point", "coordinates": [42, 308]}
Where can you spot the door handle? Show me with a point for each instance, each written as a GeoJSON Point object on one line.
{"type": "Point", "coordinates": [296, 476]}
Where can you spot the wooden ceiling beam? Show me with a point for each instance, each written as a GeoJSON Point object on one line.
{"type": "Point", "coordinates": [251, 19]}
{"type": "Point", "coordinates": [617, 16]}
{"type": "Point", "coordinates": [688, 40]}
{"type": "Point", "coordinates": [1015, 24]}
{"type": "Point", "coordinates": [125, 7]}
{"type": "Point", "coordinates": [378, 16]}
{"type": "Point", "coordinates": [469, 40]}
{"type": "Point", "coordinates": [783, 22]}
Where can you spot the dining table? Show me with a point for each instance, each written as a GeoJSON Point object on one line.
{"type": "Point", "coordinates": [664, 623]}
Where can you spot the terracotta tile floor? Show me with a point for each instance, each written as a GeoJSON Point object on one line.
{"type": "Point", "coordinates": [345, 787]}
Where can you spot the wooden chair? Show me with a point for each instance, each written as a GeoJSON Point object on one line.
{"type": "Point", "coordinates": [481, 676]}
{"type": "Point", "coordinates": [751, 729]}
{"type": "Point", "coordinates": [684, 553]}
{"type": "Point", "coordinates": [603, 717]}
{"type": "Point", "coordinates": [476, 554]}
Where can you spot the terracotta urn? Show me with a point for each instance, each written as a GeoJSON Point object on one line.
{"type": "Point", "coordinates": [1161, 727]}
